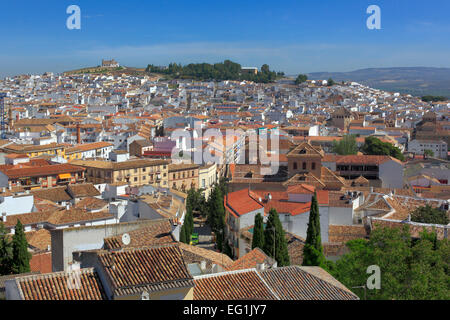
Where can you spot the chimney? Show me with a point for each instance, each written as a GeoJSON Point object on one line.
{"type": "Point", "coordinates": [260, 266]}
{"type": "Point", "coordinates": [4, 216]}
{"type": "Point", "coordinates": [67, 206]}
{"type": "Point", "coordinates": [203, 265]}
{"type": "Point", "coordinates": [78, 133]}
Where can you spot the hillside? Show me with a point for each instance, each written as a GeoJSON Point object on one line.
{"type": "Point", "coordinates": [113, 71]}
{"type": "Point", "coordinates": [417, 81]}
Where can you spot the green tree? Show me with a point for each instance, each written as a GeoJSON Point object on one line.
{"type": "Point", "coordinates": [433, 98]}
{"type": "Point", "coordinates": [428, 153]}
{"type": "Point", "coordinates": [330, 82]}
{"type": "Point", "coordinates": [410, 269]}
{"type": "Point", "coordinates": [5, 252]}
{"type": "Point", "coordinates": [313, 250]}
{"type": "Point", "coordinates": [183, 237]}
{"type": "Point", "coordinates": [374, 146]}
{"type": "Point", "coordinates": [301, 78]}
{"type": "Point", "coordinates": [275, 244]}
{"type": "Point", "coordinates": [21, 256]}
{"type": "Point", "coordinates": [258, 232]}
{"type": "Point", "coordinates": [227, 250]}
{"type": "Point", "coordinates": [216, 213]}
{"type": "Point", "coordinates": [346, 146]}
{"type": "Point", "coordinates": [429, 214]}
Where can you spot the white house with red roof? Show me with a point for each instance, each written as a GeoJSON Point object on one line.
{"type": "Point", "coordinates": [293, 206]}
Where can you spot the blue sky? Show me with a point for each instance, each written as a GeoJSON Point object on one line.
{"type": "Point", "coordinates": [290, 35]}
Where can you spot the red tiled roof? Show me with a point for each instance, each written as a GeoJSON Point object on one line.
{"type": "Point", "coordinates": [39, 171]}
{"type": "Point", "coordinates": [251, 260]}
{"type": "Point", "coordinates": [55, 286]}
{"type": "Point", "coordinates": [236, 285]}
{"type": "Point", "coordinates": [241, 202]}
{"type": "Point", "coordinates": [152, 269]}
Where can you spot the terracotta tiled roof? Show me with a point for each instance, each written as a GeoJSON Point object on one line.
{"type": "Point", "coordinates": [57, 194]}
{"type": "Point", "coordinates": [91, 204]}
{"type": "Point", "coordinates": [195, 254]}
{"type": "Point", "coordinates": [80, 190]}
{"type": "Point", "coordinates": [286, 283]}
{"type": "Point", "coordinates": [251, 260]}
{"type": "Point", "coordinates": [346, 233]}
{"type": "Point", "coordinates": [55, 286]}
{"type": "Point", "coordinates": [159, 232]}
{"type": "Point", "coordinates": [359, 159]}
{"type": "Point", "coordinates": [235, 285]}
{"type": "Point", "coordinates": [60, 216]}
{"type": "Point", "coordinates": [39, 171]}
{"type": "Point", "coordinates": [39, 239]}
{"type": "Point", "coordinates": [305, 283]}
{"type": "Point", "coordinates": [132, 271]}
{"type": "Point", "coordinates": [88, 146]}
{"type": "Point", "coordinates": [241, 202]}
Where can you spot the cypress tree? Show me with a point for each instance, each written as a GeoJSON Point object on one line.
{"type": "Point", "coordinates": [189, 222]}
{"type": "Point", "coordinates": [275, 244]}
{"type": "Point", "coordinates": [5, 252]}
{"type": "Point", "coordinates": [258, 233]}
{"type": "Point", "coordinates": [313, 251]}
{"type": "Point", "coordinates": [21, 256]}
{"type": "Point", "coordinates": [282, 253]}
{"type": "Point", "coordinates": [183, 234]}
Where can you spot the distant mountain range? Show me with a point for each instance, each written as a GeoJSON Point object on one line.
{"type": "Point", "coordinates": [418, 81]}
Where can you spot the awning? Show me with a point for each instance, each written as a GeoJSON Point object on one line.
{"type": "Point", "coordinates": [65, 176]}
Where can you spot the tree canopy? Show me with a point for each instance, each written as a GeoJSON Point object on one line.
{"type": "Point", "coordinates": [374, 146]}
{"type": "Point", "coordinates": [301, 78]}
{"type": "Point", "coordinates": [410, 269]}
{"type": "Point", "coordinates": [346, 146]}
{"type": "Point", "coordinates": [433, 98]}
{"type": "Point", "coordinates": [429, 214]}
{"type": "Point", "coordinates": [227, 70]}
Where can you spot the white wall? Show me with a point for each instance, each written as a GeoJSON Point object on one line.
{"type": "Point", "coordinates": [391, 174]}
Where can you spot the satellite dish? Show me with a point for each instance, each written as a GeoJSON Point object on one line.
{"type": "Point", "coordinates": [126, 239]}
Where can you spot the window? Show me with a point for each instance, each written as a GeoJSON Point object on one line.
{"type": "Point", "coordinates": [203, 183]}
{"type": "Point", "coordinates": [295, 165]}
{"type": "Point", "coordinates": [313, 166]}
{"type": "Point", "coordinates": [135, 179]}
{"type": "Point", "coordinates": [143, 170]}
{"type": "Point", "coordinates": [304, 165]}
{"type": "Point", "coordinates": [192, 173]}
{"type": "Point", "coordinates": [135, 170]}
